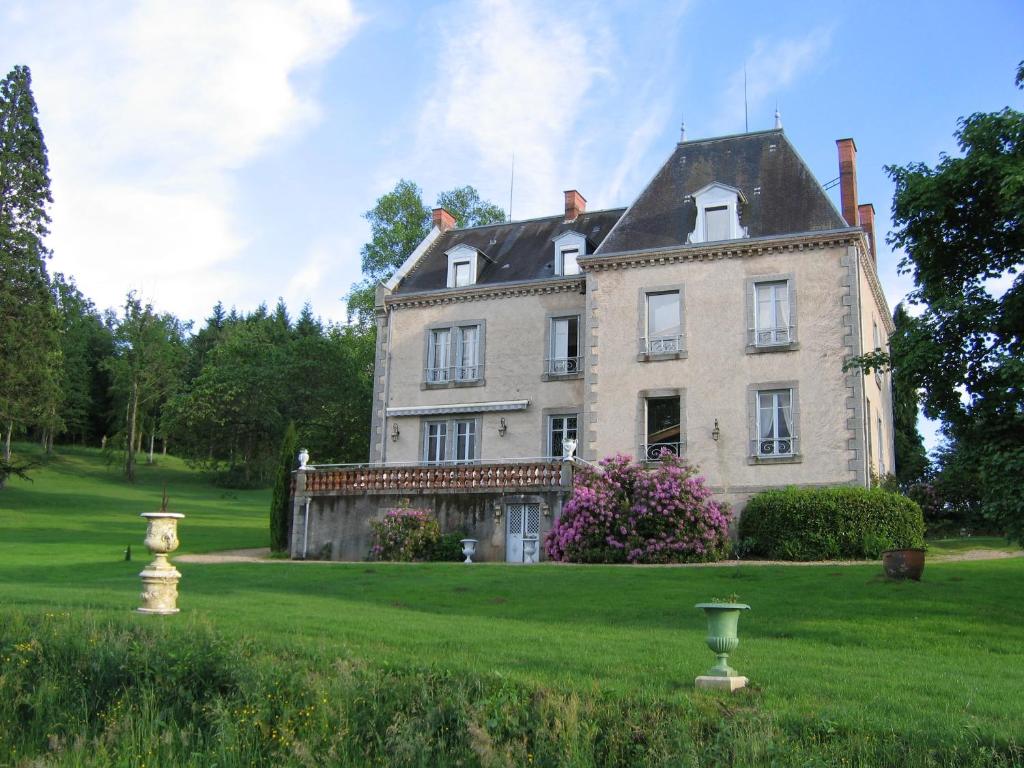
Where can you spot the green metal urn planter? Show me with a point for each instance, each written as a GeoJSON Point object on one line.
{"type": "Point", "coordinates": [722, 639]}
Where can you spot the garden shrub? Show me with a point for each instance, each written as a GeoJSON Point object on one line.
{"type": "Point", "coordinates": [629, 514]}
{"type": "Point", "coordinates": [405, 535]}
{"type": "Point", "coordinates": [448, 548]}
{"type": "Point", "coordinates": [829, 523]}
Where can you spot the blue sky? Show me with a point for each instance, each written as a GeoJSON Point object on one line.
{"type": "Point", "coordinates": [226, 151]}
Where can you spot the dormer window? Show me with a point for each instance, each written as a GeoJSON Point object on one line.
{"type": "Point", "coordinates": [463, 264]}
{"type": "Point", "coordinates": [717, 214]}
{"type": "Point", "coordinates": [463, 276]}
{"type": "Point", "coordinates": [569, 246]}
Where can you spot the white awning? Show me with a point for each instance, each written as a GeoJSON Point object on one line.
{"type": "Point", "coordinates": [437, 410]}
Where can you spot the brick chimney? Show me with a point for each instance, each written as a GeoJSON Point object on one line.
{"type": "Point", "coordinates": [848, 180]}
{"type": "Point", "coordinates": [575, 204]}
{"type": "Point", "coordinates": [442, 219]}
{"type": "Point", "coordinates": [867, 223]}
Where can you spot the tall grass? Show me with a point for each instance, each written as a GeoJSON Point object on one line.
{"type": "Point", "coordinates": [81, 691]}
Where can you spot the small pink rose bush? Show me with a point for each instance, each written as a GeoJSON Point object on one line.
{"type": "Point", "coordinates": [405, 535]}
{"type": "Point", "coordinates": [629, 514]}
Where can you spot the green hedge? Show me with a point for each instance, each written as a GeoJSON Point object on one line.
{"type": "Point", "coordinates": [829, 523]}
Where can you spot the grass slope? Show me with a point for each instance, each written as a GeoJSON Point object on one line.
{"type": "Point", "coordinates": [837, 647]}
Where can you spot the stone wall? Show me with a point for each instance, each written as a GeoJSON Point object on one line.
{"type": "Point", "coordinates": [332, 509]}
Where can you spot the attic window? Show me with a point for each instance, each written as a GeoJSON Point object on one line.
{"type": "Point", "coordinates": [463, 273]}
{"type": "Point", "coordinates": [567, 262]}
{"type": "Point", "coordinates": [463, 266]}
{"type": "Point", "coordinates": [718, 218]}
{"type": "Point", "coordinates": [569, 246]}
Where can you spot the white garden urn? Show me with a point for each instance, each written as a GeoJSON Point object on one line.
{"type": "Point", "coordinates": [160, 578]}
{"type": "Point", "coordinates": [530, 550]}
{"type": "Point", "coordinates": [468, 549]}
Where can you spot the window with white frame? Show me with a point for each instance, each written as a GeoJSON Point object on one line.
{"type": "Point", "coordinates": [564, 353]}
{"type": "Point", "coordinates": [438, 350]}
{"type": "Point", "coordinates": [454, 354]}
{"type": "Point", "coordinates": [876, 337]}
{"type": "Point", "coordinates": [467, 357]}
{"type": "Point", "coordinates": [772, 313]}
{"type": "Point", "coordinates": [776, 435]}
{"type": "Point", "coordinates": [435, 442]}
{"type": "Point", "coordinates": [561, 427]}
{"type": "Point", "coordinates": [463, 273]}
{"type": "Point", "coordinates": [663, 323]}
{"type": "Point", "coordinates": [662, 427]}
{"type": "Point", "coordinates": [569, 246]}
{"type": "Point", "coordinates": [718, 209]}
{"type": "Point", "coordinates": [463, 264]}
{"type": "Point", "coordinates": [716, 223]}
{"type": "Point", "coordinates": [451, 441]}
{"type": "Point", "coordinates": [566, 262]}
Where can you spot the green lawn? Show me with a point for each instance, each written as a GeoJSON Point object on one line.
{"type": "Point", "coordinates": [840, 646]}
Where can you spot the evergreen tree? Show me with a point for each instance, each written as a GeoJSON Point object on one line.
{"type": "Point", "coordinates": [29, 345]}
{"type": "Point", "coordinates": [280, 504]}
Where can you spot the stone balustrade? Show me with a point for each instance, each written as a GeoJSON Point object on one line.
{"type": "Point", "coordinates": [466, 478]}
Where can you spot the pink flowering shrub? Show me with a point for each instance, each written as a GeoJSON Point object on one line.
{"type": "Point", "coordinates": [405, 535]}
{"type": "Point", "coordinates": [629, 514]}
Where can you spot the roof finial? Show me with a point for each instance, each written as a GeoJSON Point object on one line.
{"type": "Point", "coordinates": [778, 117]}
{"type": "Point", "coordinates": [682, 131]}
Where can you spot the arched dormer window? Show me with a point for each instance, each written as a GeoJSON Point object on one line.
{"type": "Point", "coordinates": [463, 263]}
{"type": "Point", "coordinates": [718, 214]}
{"type": "Point", "coordinates": [569, 246]}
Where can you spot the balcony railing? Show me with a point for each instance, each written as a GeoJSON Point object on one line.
{"type": "Point", "coordinates": [775, 446]}
{"type": "Point", "coordinates": [524, 475]}
{"type": "Point", "coordinates": [654, 451]}
{"type": "Point", "coordinates": [456, 373]}
{"type": "Point", "coordinates": [661, 345]}
{"type": "Point", "coordinates": [770, 337]}
{"type": "Point", "coordinates": [563, 366]}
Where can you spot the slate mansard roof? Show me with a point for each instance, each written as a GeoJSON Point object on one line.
{"type": "Point", "coordinates": [513, 252]}
{"type": "Point", "coordinates": [781, 197]}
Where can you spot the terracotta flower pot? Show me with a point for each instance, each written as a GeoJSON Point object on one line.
{"type": "Point", "coordinates": [903, 563]}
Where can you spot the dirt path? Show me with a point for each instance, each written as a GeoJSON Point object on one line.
{"type": "Point", "coordinates": [262, 555]}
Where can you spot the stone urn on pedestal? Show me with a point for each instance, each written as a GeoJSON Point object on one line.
{"type": "Point", "coordinates": [468, 549]}
{"type": "Point", "coordinates": [160, 578]}
{"type": "Point", "coordinates": [722, 639]}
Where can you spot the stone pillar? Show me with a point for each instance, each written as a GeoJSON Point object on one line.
{"type": "Point", "coordinates": [299, 499]}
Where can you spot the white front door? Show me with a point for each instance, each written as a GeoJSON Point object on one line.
{"type": "Point", "coordinates": [522, 542]}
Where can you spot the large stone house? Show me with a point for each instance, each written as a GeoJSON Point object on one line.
{"type": "Point", "coordinates": [711, 318]}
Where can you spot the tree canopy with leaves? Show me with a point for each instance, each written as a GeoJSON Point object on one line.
{"type": "Point", "coordinates": [961, 227]}
{"type": "Point", "coordinates": [29, 345]}
{"type": "Point", "coordinates": [398, 223]}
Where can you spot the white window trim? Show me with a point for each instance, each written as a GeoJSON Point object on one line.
{"type": "Point", "coordinates": [753, 347]}
{"type": "Point", "coordinates": [562, 367]}
{"type": "Point", "coordinates": [452, 364]}
{"type": "Point", "coordinates": [717, 195]}
{"type": "Point", "coordinates": [754, 455]}
{"type": "Point", "coordinates": [661, 350]}
{"type": "Point", "coordinates": [549, 430]}
{"type": "Point", "coordinates": [641, 417]}
{"type": "Point", "coordinates": [568, 241]}
{"type": "Point", "coordinates": [451, 440]}
{"type": "Point", "coordinates": [462, 254]}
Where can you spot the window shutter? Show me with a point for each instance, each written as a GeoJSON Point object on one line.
{"type": "Point", "coordinates": [792, 316]}
{"type": "Point", "coordinates": [798, 435]}
{"type": "Point", "coordinates": [751, 311]}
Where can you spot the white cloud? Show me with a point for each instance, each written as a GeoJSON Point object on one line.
{"type": "Point", "coordinates": [770, 69]}
{"type": "Point", "coordinates": [514, 77]}
{"type": "Point", "coordinates": [147, 111]}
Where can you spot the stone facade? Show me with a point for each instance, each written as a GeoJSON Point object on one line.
{"type": "Point", "coordinates": [720, 218]}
